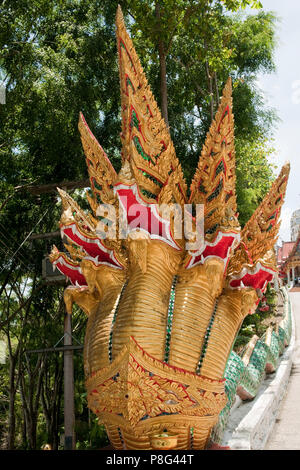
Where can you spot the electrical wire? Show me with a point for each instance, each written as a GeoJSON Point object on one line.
{"type": "Point", "coordinates": [24, 257]}
{"type": "Point", "coordinates": [21, 256]}
{"type": "Point", "coordinates": [9, 236]}
{"type": "Point", "coordinates": [24, 241]}
{"type": "Point", "coordinates": [10, 250]}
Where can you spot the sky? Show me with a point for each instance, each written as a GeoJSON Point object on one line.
{"type": "Point", "coordinates": [282, 92]}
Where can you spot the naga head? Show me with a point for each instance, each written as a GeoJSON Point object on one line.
{"type": "Point", "coordinates": [155, 343]}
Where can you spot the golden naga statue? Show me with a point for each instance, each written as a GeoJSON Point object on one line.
{"type": "Point", "coordinates": [162, 315]}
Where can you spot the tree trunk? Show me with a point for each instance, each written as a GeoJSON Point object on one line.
{"type": "Point", "coordinates": [25, 411]}
{"type": "Point", "coordinates": [59, 401]}
{"type": "Point", "coordinates": [30, 395]}
{"type": "Point", "coordinates": [30, 422]}
{"type": "Point", "coordinates": [163, 82]}
{"type": "Point", "coordinates": [163, 70]}
{"type": "Point", "coordinates": [217, 89]}
{"type": "Point", "coordinates": [31, 431]}
{"type": "Point", "coordinates": [211, 91]}
{"type": "Point", "coordinates": [50, 397]}
{"type": "Point", "coordinates": [11, 410]}
{"type": "Point", "coordinates": [12, 396]}
{"type": "Point", "coordinates": [24, 430]}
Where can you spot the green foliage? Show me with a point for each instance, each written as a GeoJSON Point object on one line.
{"type": "Point", "coordinates": [254, 175]}
{"type": "Point", "coordinates": [234, 5]}
{"type": "Point", "coordinates": [255, 324]}
{"type": "Point", "coordinates": [95, 432]}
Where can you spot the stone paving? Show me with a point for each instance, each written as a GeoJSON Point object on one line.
{"type": "Point", "coordinates": [286, 431]}
{"type": "Point", "coordinates": [295, 289]}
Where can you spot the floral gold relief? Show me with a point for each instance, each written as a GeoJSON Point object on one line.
{"type": "Point", "coordinates": [140, 394]}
